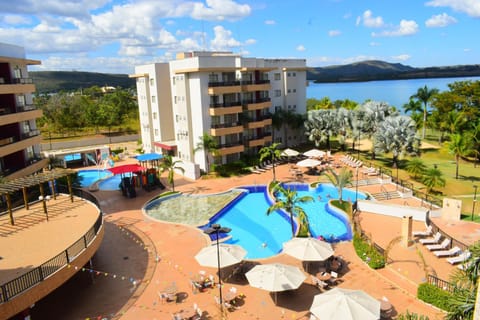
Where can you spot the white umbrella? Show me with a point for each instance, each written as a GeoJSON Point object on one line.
{"type": "Point", "coordinates": [309, 163]}
{"type": "Point", "coordinates": [230, 254]}
{"type": "Point", "coordinates": [345, 304]}
{"type": "Point", "coordinates": [290, 153]}
{"type": "Point", "coordinates": [275, 277]}
{"type": "Point", "coordinates": [308, 249]}
{"type": "Point", "coordinates": [314, 153]}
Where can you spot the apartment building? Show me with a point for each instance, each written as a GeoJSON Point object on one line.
{"type": "Point", "coordinates": [19, 137]}
{"type": "Point", "coordinates": [230, 97]}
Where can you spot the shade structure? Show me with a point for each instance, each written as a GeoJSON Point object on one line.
{"type": "Point", "coordinates": [290, 153]}
{"type": "Point", "coordinates": [308, 163]}
{"type": "Point", "coordinates": [126, 169]}
{"type": "Point", "coordinates": [149, 157]}
{"type": "Point", "coordinates": [314, 153]}
{"type": "Point", "coordinates": [230, 254]}
{"type": "Point", "coordinates": [345, 304]}
{"type": "Point", "coordinates": [308, 249]}
{"type": "Point", "coordinates": [275, 277]}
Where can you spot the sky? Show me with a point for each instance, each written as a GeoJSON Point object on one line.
{"type": "Point", "coordinates": [113, 36]}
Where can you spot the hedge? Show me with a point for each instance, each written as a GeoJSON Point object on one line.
{"type": "Point", "coordinates": [434, 295]}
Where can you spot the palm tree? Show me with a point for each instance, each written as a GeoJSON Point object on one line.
{"type": "Point", "coordinates": [289, 201]}
{"type": "Point", "coordinates": [459, 145]}
{"type": "Point", "coordinates": [416, 167]}
{"type": "Point", "coordinates": [395, 135]}
{"type": "Point", "coordinates": [462, 303]}
{"type": "Point", "coordinates": [168, 164]}
{"type": "Point", "coordinates": [339, 180]}
{"type": "Point", "coordinates": [433, 178]}
{"type": "Point", "coordinates": [271, 152]}
{"type": "Point", "coordinates": [209, 145]}
{"type": "Point", "coordinates": [424, 95]}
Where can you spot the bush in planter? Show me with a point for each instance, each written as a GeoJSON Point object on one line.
{"type": "Point", "coordinates": [368, 253]}
{"type": "Point", "coordinates": [434, 295]}
{"type": "Point", "coordinates": [411, 316]}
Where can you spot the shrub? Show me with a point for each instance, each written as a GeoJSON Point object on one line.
{"type": "Point", "coordinates": [434, 295]}
{"type": "Point", "coordinates": [368, 253]}
{"type": "Point", "coordinates": [411, 316]}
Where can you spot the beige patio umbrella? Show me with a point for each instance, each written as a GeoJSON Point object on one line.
{"type": "Point", "coordinates": [345, 304]}
{"type": "Point", "coordinates": [290, 153]}
{"type": "Point", "coordinates": [308, 163]}
{"type": "Point", "coordinates": [230, 254]}
{"type": "Point", "coordinates": [308, 249]}
{"type": "Point", "coordinates": [275, 277]}
{"type": "Point", "coordinates": [314, 153]}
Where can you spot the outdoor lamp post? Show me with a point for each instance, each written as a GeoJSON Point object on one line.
{"type": "Point", "coordinates": [217, 229]}
{"type": "Point", "coordinates": [474, 200]}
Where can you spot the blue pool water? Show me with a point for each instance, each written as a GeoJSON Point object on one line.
{"type": "Point", "coordinates": [88, 177]}
{"type": "Point", "coordinates": [263, 236]}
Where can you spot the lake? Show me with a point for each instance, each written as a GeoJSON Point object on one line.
{"type": "Point", "coordinates": [394, 92]}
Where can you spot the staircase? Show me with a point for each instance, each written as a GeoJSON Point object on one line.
{"type": "Point", "coordinates": [386, 195]}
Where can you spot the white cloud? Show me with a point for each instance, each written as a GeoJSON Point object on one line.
{"type": "Point", "coordinates": [370, 21]}
{"type": "Point", "coordinates": [270, 22]}
{"type": "Point", "coordinates": [440, 20]}
{"type": "Point", "coordinates": [334, 33]}
{"type": "Point", "coordinates": [470, 7]}
{"type": "Point", "coordinates": [406, 28]}
{"type": "Point", "coordinates": [401, 57]}
{"type": "Point", "coordinates": [250, 41]}
{"type": "Point", "coordinates": [218, 10]}
{"type": "Point", "coordinates": [374, 44]}
{"type": "Point", "coordinates": [223, 40]}
{"type": "Point", "coordinates": [467, 50]}
{"type": "Point", "coordinates": [300, 48]}
{"type": "Point", "coordinates": [14, 19]}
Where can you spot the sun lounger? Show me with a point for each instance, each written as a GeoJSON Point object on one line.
{"type": "Point", "coordinates": [435, 239]}
{"type": "Point", "coordinates": [442, 246]}
{"type": "Point", "coordinates": [467, 264]}
{"type": "Point", "coordinates": [464, 256]}
{"type": "Point", "coordinates": [448, 253]}
{"type": "Point", "coordinates": [426, 232]}
{"type": "Point", "coordinates": [319, 283]}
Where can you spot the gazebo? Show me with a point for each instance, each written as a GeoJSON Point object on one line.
{"type": "Point", "coordinates": [10, 186]}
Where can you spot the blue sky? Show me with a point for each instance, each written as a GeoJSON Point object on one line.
{"type": "Point", "coordinates": [114, 35]}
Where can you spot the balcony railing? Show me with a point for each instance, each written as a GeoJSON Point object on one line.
{"type": "Point", "coordinates": [25, 108]}
{"type": "Point", "coordinates": [29, 134]}
{"type": "Point", "coordinates": [225, 125]}
{"type": "Point", "coordinates": [223, 83]}
{"type": "Point", "coordinates": [231, 144]}
{"type": "Point", "coordinates": [259, 100]}
{"type": "Point", "coordinates": [255, 82]}
{"type": "Point", "coordinates": [22, 81]}
{"type": "Point", "coordinates": [225, 104]}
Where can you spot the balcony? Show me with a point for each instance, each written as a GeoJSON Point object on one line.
{"type": "Point", "coordinates": [260, 122]}
{"type": "Point", "coordinates": [9, 145]}
{"type": "Point", "coordinates": [224, 87]}
{"type": "Point", "coordinates": [17, 86]}
{"type": "Point", "coordinates": [229, 148]}
{"type": "Point", "coordinates": [33, 165]}
{"type": "Point", "coordinates": [225, 128]}
{"type": "Point", "coordinates": [257, 85]}
{"type": "Point", "coordinates": [22, 114]}
{"type": "Point", "coordinates": [220, 109]}
{"type": "Point", "coordinates": [257, 104]}
{"type": "Point", "coordinates": [258, 140]}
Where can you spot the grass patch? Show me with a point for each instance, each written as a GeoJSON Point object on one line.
{"type": "Point", "coordinates": [367, 252]}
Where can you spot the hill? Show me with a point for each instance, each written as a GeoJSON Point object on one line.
{"type": "Point", "coordinates": [381, 70]}
{"type": "Point", "coordinates": [54, 81]}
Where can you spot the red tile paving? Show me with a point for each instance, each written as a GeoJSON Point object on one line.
{"type": "Point", "coordinates": [171, 249]}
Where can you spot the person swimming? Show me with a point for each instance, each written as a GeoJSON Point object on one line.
{"type": "Point", "coordinates": [264, 245]}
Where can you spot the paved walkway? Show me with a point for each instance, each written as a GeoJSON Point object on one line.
{"type": "Point", "coordinates": [169, 260]}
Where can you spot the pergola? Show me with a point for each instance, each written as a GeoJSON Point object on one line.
{"type": "Point", "coordinates": [10, 186]}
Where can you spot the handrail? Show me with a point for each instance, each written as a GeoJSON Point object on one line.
{"type": "Point", "coordinates": [440, 283]}
{"type": "Point", "coordinates": [385, 192]}
{"type": "Point", "coordinates": [453, 242]}
{"type": "Point", "coordinates": [24, 282]}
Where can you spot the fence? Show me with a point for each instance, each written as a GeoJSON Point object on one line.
{"type": "Point", "coordinates": [22, 283]}
{"type": "Point", "coordinates": [439, 283]}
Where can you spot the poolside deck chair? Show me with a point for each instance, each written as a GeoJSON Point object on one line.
{"type": "Point", "coordinates": [442, 246]}
{"type": "Point", "coordinates": [467, 264]}
{"type": "Point", "coordinates": [424, 233]}
{"type": "Point", "coordinates": [448, 253]}
{"type": "Point", "coordinates": [319, 283]}
{"type": "Point", "coordinates": [435, 239]}
{"type": "Point", "coordinates": [462, 257]}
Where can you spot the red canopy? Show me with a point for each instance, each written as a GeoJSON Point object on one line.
{"type": "Point", "coordinates": [126, 169]}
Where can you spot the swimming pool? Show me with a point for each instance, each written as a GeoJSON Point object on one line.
{"type": "Point", "coordinates": [261, 235]}
{"type": "Point", "coordinates": [88, 177]}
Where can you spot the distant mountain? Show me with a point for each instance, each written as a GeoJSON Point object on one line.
{"type": "Point", "coordinates": [381, 70]}
{"type": "Point", "coordinates": [54, 81]}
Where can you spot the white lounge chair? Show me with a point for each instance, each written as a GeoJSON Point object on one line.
{"type": "Point", "coordinates": [424, 233]}
{"type": "Point", "coordinates": [464, 256]}
{"type": "Point", "coordinates": [435, 239]}
{"type": "Point", "coordinates": [442, 246]}
{"type": "Point", "coordinates": [448, 253]}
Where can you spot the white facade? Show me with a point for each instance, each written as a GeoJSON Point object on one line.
{"type": "Point", "coordinates": [229, 97]}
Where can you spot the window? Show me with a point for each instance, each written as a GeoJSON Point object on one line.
{"type": "Point", "coordinates": [288, 74]}
{"type": "Point", "coordinates": [277, 76]}
{"type": "Point", "coordinates": [289, 106]}
{"type": "Point", "coordinates": [173, 80]}
{"type": "Point", "coordinates": [175, 99]}
{"type": "Point", "coordinates": [152, 82]}
{"type": "Point", "coordinates": [154, 116]}
{"type": "Point", "coordinates": [288, 90]}
{"type": "Point", "coordinates": [277, 108]}
{"type": "Point", "coordinates": [278, 93]}
{"type": "Point", "coordinates": [294, 74]}
{"type": "Point", "coordinates": [154, 99]}
{"type": "Point", "coordinates": [294, 90]}
{"type": "Point", "coordinates": [156, 132]}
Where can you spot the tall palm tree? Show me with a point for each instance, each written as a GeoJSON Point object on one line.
{"type": "Point", "coordinates": [459, 145]}
{"type": "Point", "coordinates": [416, 167]}
{"type": "Point", "coordinates": [270, 152]}
{"type": "Point", "coordinates": [425, 95]}
{"type": "Point", "coordinates": [209, 145]}
{"type": "Point", "coordinates": [433, 178]}
{"type": "Point", "coordinates": [289, 201]}
{"type": "Point", "coordinates": [169, 165]}
{"type": "Point", "coordinates": [340, 180]}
